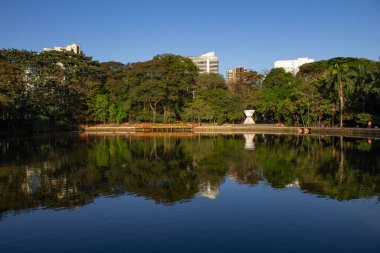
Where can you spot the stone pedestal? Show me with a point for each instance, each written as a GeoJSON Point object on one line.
{"type": "Point", "coordinates": [249, 119]}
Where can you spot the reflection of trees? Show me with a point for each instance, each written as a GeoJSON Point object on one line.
{"type": "Point", "coordinates": [325, 166]}
{"type": "Point", "coordinates": [67, 174]}
{"type": "Point", "coordinates": [33, 171]}
{"type": "Point", "coordinates": [278, 161]}
{"type": "Point", "coordinates": [57, 172]}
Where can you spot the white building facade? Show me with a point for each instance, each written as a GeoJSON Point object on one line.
{"type": "Point", "coordinates": [206, 63]}
{"type": "Point", "coordinates": [292, 66]}
{"type": "Point", "coordinates": [71, 48]}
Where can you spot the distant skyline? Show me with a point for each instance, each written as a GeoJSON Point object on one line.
{"type": "Point", "coordinates": [246, 33]}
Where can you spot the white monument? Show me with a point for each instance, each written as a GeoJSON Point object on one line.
{"type": "Point", "coordinates": [249, 119]}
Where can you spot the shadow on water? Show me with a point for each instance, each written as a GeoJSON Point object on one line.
{"type": "Point", "coordinates": [68, 171]}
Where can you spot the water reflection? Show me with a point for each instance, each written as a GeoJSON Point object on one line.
{"type": "Point", "coordinates": [69, 171]}
{"type": "Point", "coordinates": [249, 141]}
{"type": "Point", "coordinates": [209, 191]}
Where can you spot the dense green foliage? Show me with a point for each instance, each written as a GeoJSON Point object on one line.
{"type": "Point", "coordinates": [344, 90]}
{"type": "Point", "coordinates": [348, 89]}
{"type": "Point", "coordinates": [47, 89]}
{"type": "Point", "coordinates": [60, 90]}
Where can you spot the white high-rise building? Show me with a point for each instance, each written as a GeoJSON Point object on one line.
{"type": "Point", "coordinates": [292, 66]}
{"type": "Point", "coordinates": [206, 63]}
{"type": "Point", "coordinates": [72, 47]}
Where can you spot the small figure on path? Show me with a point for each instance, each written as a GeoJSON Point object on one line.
{"type": "Point", "coordinates": [369, 124]}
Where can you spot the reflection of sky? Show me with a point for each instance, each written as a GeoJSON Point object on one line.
{"type": "Point", "coordinates": [242, 217]}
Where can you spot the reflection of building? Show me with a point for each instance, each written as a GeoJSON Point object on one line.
{"type": "Point", "coordinates": [71, 48]}
{"type": "Point", "coordinates": [209, 191]}
{"type": "Point", "coordinates": [292, 66]}
{"type": "Point", "coordinates": [206, 63]}
{"type": "Point", "coordinates": [294, 184]}
{"type": "Point", "coordinates": [246, 173]}
{"type": "Point", "coordinates": [32, 180]}
{"type": "Point", "coordinates": [236, 74]}
{"type": "Point", "coordinates": [57, 186]}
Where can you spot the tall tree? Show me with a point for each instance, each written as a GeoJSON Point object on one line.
{"type": "Point", "coordinates": [338, 77]}
{"type": "Point", "coordinates": [275, 98]}
{"type": "Point", "coordinates": [11, 87]}
{"type": "Point", "coordinates": [210, 81]}
{"type": "Point", "coordinates": [198, 110]}
{"type": "Point", "coordinates": [164, 84]}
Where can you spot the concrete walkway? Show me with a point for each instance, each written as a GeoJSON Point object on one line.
{"type": "Point", "coordinates": [237, 129]}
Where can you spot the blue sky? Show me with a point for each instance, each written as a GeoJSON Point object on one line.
{"type": "Point", "coordinates": [248, 33]}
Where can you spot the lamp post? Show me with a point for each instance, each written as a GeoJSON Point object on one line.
{"type": "Point", "coordinates": [333, 116]}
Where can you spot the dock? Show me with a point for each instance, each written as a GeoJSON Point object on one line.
{"type": "Point", "coordinates": [160, 128]}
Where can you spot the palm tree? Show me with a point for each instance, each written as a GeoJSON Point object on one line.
{"type": "Point", "coordinates": [363, 80]}
{"type": "Point", "coordinates": [338, 79]}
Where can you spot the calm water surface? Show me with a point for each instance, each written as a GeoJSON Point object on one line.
{"type": "Point", "coordinates": [242, 193]}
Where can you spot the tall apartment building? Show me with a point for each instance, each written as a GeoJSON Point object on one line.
{"type": "Point", "coordinates": [234, 74]}
{"type": "Point", "coordinates": [206, 63]}
{"type": "Point", "coordinates": [72, 47]}
{"type": "Point", "coordinates": [292, 66]}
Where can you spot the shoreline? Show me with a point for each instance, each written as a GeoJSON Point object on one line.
{"type": "Point", "coordinates": [231, 129]}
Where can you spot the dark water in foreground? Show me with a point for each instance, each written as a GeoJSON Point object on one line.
{"type": "Point", "coordinates": [259, 193]}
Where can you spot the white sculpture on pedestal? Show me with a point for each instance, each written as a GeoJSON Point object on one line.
{"type": "Point", "coordinates": [249, 119]}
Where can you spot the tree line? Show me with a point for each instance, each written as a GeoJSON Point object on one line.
{"type": "Point", "coordinates": [60, 90]}
{"type": "Point", "coordinates": [338, 91]}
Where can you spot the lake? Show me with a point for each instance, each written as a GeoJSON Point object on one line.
{"type": "Point", "coordinates": [189, 193]}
